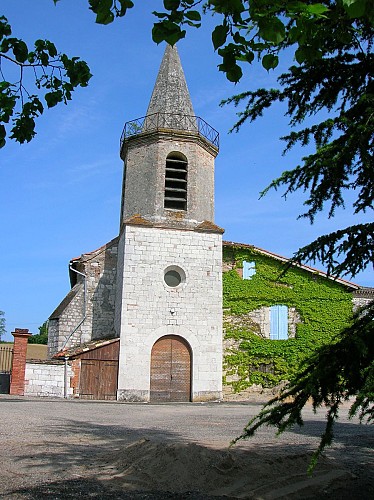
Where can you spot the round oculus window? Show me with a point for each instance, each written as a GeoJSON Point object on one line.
{"type": "Point", "coordinates": [172, 278]}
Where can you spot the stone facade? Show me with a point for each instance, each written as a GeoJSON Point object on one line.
{"type": "Point", "coordinates": [87, 312]}
{"type": "Point", "coordinates": [149, 309]}
{"type": "Point", "coordinates": [258, 321]}
{"type": "Point", "coordinates": [362, 297]}
{"type": "Point", "coordinates": [143, 190]}
{"type": "Point", "coordinates": [48, 379]}
{"type": "Point", "coordinates": [158, 235]}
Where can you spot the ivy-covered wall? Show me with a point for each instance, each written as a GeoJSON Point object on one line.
{"type": "Point", "coordinates": [322, 308]}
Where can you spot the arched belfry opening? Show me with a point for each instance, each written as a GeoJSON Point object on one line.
{"type": "Point", "coordinates": [176, 182]}
{"type": "Point", "coordinates": [171, 358]}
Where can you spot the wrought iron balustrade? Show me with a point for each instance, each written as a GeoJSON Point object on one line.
{"type": "Point", "coordinates": [172, 121]}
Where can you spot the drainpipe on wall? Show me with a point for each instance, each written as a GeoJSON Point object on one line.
{"type": "Point", "coordinates": [66, 377]}
{"type": "Point", "coordinates": [84, 305]}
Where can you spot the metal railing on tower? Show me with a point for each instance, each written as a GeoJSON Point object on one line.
{"type": "Point", "coordinates": [170, 121]}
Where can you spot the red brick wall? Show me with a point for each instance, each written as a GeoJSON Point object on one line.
{"type": "Point", "coordinates": [17, 381]}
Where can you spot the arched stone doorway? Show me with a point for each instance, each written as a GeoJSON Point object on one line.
{"type": "Point", "coordinates": [171, 369]}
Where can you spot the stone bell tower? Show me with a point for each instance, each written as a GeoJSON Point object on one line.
{"type": "Point", "coordinates": [169, 275]}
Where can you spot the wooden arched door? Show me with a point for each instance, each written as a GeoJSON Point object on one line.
{"type": "Point", "coordinates": [171, 370]}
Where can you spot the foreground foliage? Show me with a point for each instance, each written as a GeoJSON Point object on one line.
{"type": "Point", "coordinates": [44, 77]}
{"type": "Point", "coordinates": [333, 374]}
{"type": "Point", "coordinates": [42, 336]}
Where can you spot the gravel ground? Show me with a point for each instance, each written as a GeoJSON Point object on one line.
{"type": "Point", "coordinates": [53, 448]}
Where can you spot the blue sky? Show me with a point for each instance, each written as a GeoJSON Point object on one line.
{"type": "Point", "coordinates": [60, 194]}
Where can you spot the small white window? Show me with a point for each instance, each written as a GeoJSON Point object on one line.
{"type": "Point", "coordinates": [279, 322]}
{"type": "Point", "coordinates": [249, 270]}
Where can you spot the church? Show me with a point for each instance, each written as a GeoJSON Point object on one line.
{"type": "Point", "coordinates": [157, 287]}
{"type": "Point", "coordinates": [143, 320]}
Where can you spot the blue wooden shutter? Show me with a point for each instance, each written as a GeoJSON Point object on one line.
{"type": "Point", "coordinates": [279, 322]}
{"type": "Point", "coordinates": [249, 270]}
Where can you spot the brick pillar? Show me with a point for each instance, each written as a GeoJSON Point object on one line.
{"type": "Point", "coordinates": [17, 380]}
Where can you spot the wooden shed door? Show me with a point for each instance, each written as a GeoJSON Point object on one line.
{"type": "Point", "coordinates": [98, 379]}
{"type": "Point", "coordinates": [170, 370]}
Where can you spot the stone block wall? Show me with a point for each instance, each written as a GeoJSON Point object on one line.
{"type": "Point", "coordinates": [61, 327]}
{"type": "Point", "coordinates": [78, 320]}
{"type": "Point", "coordinates": [149, 309]}
{"type": "Point", "coordinates": [143, 192]}
{"type": "Point", "coordinates": [258, 321]}
{"type": "Point", "coordinates": [362, 297]}
{"type": "Point", "coordinates": [102, 272]}
{"type": "Point", "coordinates": [47, 379]}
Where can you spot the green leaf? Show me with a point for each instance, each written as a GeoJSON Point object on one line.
{"type": "Point", "coordinates": [44, 59]}
{"type": "Point", "coordinates": [249, 56]}
{"type": "Point", "coordinates": [5, 29]}
{"type": "Point", "coordinates": [193, 15]}
{"type": "Point", "coordinates": [193, 24]}
{"type": "Point", "coordinates": [103, 10]}
{"type": "Point", "coordinates": [104, 17]}
{"type": "Point", "coordinates": [317, 9]}
{"type": "Point", "coordinates": [4, 46]}
{"type": "Point", "coordinates": [234, 74]}
{"type": "Point", "coordinates": [167, 31]}
{"type": "Point", "coordinates": [270, 61]}
{"type": "Point", "coordinates": [2, 136]}
{"type": "Point", "coordinates": [31, 57]}
{"type": "Point", "coordinates": [272, 30]}
{"type": "Point", "coordinates": [160, 15]}
{"type": "Point", "coordinates": [51, 48]}
{"type": "Point", "coordinates": [294, 34]}
{"type": "Point", "coordinates": [23, 130]}
{"type": "Point", "coordinates": [355, 8]}
{"type": "Point", "coordinates": [158, 33]}
{"type": "Point", "coordinates": [239, 39]}
{"type": "Point", "coordinates": [173, 38]}
{"type": "Point", "coordinates": [20, 51]}
{"type": "Point", "coordinates": [171, 4]}
{"type": "Point", "coordinates": [53, 98]}
{"type": "Point", "coordinates": [300, 55]}
{"type": "Point", "coordinates": [219, 36]}
{"type": "Point", "coordinates": [125, 4]}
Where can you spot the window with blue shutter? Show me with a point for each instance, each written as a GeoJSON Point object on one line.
{"type": "Point", "coordinates": [249, 270]}
{"type": "Point", "coordinates": [279, 322]}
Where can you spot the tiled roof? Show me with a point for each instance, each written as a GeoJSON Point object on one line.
{"type": "Point", "coordinates": [75, 351]}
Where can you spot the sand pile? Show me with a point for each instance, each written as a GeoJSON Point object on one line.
{"type": "Point", "coordinates": [175, 467]}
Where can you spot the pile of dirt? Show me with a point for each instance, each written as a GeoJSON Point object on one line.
{"type": "Point", "coordinates": [175, 467]}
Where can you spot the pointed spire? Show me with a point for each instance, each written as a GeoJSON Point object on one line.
{"type": "Point", "coordinates": [170, 93]}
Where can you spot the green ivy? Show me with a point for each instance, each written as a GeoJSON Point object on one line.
{"type": "Point", "coordinates": [323, 305]}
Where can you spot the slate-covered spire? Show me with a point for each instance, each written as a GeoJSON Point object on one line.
{"type": "Point", "coordinates": [170, 93]}
{"type": "Point", "coordinates": [170, 99]}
